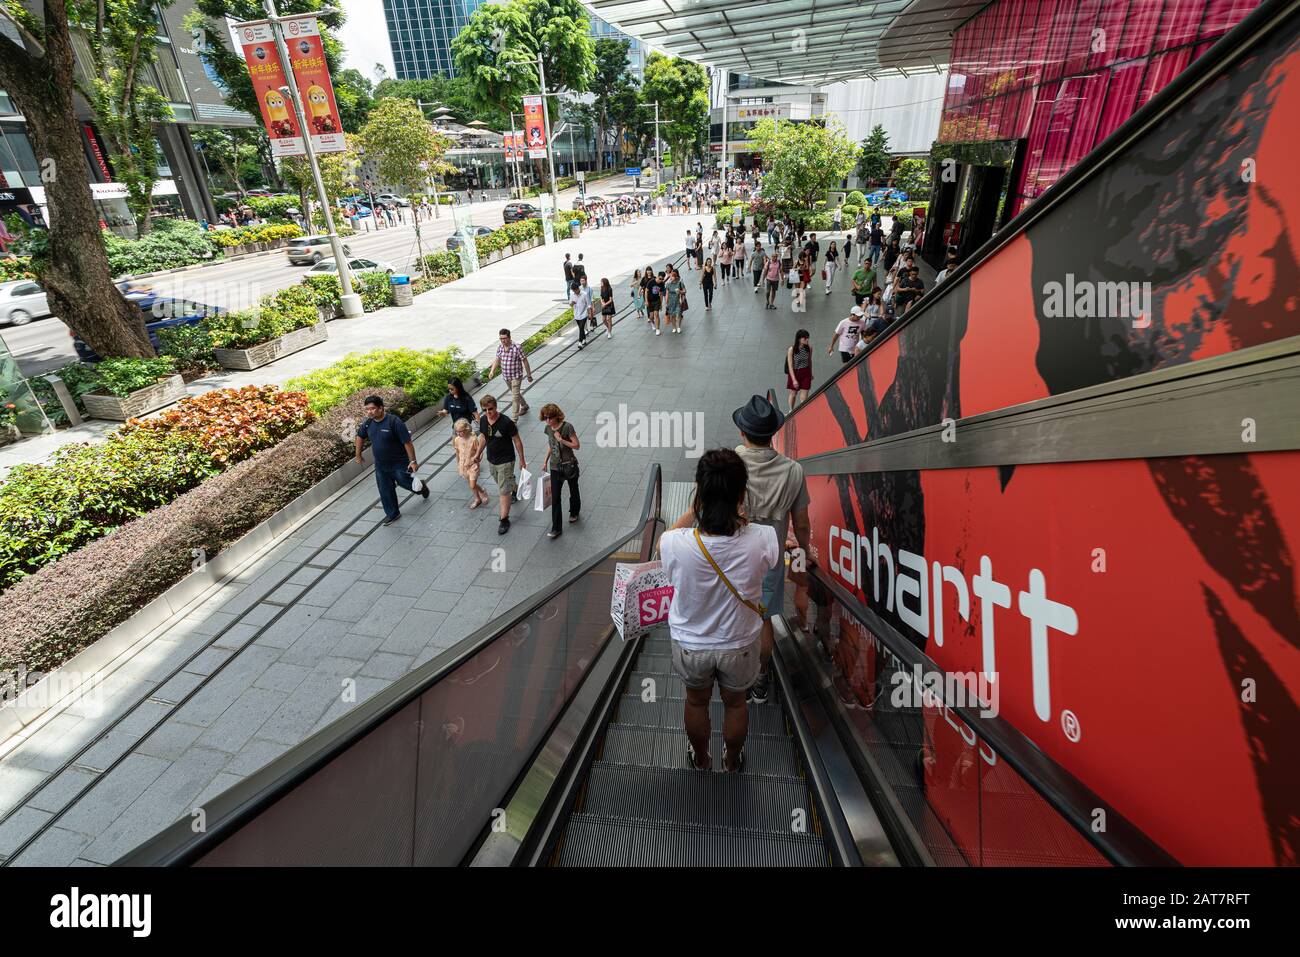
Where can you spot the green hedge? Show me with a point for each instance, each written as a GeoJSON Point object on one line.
{"type": "Point", "coordinates": [422, 374]}
{"type": "Point", "coordinates": [169, 244]}
{"type": "Point", "coordinates": [49, 616]}
{"type": "Point", "coordinates": [855, 198]}
{"type": "Point", "coordinates": [278, 315]}
{"type": "Point", "coordinates": [272, 205]}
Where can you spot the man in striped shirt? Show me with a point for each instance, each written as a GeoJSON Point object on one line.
{"type": "Point", "coordinates": [514, 366]}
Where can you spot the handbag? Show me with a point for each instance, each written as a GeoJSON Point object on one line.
{"type": "Point", "coordinates": [792, 276]}
{"type": "Point", "coordinates": [757, 607]}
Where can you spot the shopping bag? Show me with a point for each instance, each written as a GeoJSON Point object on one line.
{"type": "Point", "coordinates": [417, 484]}
{"type": "Point", "coordinates": [641, 598]}
{"type": "Point", "coordinates": [542, 500]}
{"type": "Point", "coordinates": [524, 485]}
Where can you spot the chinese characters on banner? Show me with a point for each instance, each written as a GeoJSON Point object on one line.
{"type": "Point", "coordinates": [267, 75]}
{"type": "Point", "coordinates": [312, 73]}
{"type": "Point", "coordinates": [534, 127]}
{"type": "Point", "coordinates": [307, 58]}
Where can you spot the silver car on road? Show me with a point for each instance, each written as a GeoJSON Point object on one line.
{"type": "Point", "coordinates": [21, 301]}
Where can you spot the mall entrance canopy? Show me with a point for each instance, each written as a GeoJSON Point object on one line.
{"type": "Point", "coordinates": [812, 42]}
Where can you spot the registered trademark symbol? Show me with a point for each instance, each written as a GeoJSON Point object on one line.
{"type": "Point", "coordinates": [1070, 725]}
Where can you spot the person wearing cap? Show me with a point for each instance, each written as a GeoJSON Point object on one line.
{"type": "Point", "coordinates": [776, 495]}
{"type": "Point", "coordinates": [847, 334]}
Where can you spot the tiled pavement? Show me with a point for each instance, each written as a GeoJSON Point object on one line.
{"type": "Point", "coordinates": [272, 647]}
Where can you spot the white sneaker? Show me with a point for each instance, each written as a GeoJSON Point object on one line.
{"type": "Point", "coordinates": [608, 334]}
{"type": "Point", "coordinates": [656, 332]}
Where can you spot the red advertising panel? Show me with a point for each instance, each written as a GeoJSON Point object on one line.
{"type": "Point", "coordinates": [268, 76]}
{"type": "Point", "coordinates": [1139, 617]}
{"type": "Point", "coordinates": [312, 74]}
{"type": "Point", "coordinates": [508, 143]}
{"type": "Point", "coordinates": [534, 127]}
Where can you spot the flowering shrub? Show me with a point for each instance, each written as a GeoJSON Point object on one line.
{"type": "Point", "coordinates": [228, 238]}
{"type": "Point", "coordinates": [16, 267]}
{"type": "Point", "coordinates": [233, 424]}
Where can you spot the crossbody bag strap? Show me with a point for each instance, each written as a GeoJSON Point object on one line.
{"type": "Point", "coordinates": [757, 607]}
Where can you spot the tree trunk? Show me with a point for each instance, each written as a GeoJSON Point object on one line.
{"type": "Point", "coordinates": [75, 270]}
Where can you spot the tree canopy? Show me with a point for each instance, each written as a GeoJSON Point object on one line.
{"type": "Point", "coordinates": [682, 91]}
{"type": "Point", "coordinates": [802, 160]}
{"type": "Point", "coordinates": [498, 48]}
{"type": "Point", "coordinates": [873, 165]}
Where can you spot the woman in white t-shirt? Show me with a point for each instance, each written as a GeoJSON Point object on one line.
{"type": "Point", "coordinates": [716, 618]}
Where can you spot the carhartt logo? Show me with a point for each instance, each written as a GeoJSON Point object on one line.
{"type": "Point", "coordinates": [103, 910]}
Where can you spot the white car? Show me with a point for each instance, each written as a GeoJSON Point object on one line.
{"type": "Point", "coordinates": [392, 198]}
{"type": "Point", "coordinates": [330, 267]}
{"type": "Point", "coordinates": [21, 301]}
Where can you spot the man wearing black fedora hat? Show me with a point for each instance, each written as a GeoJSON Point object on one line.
{"type": "Point", "coordinates": [776, 494]}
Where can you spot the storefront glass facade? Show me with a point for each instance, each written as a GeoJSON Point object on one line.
{"type": "Point", "coordinates": [1062, 75]}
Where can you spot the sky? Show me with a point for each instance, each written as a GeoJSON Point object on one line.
{"type": "Point", "coordinates": [365, 37]}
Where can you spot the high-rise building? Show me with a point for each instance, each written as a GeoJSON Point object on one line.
{"type": "Point", "coordinates": [420, 33]}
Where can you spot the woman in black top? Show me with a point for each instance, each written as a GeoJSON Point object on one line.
{"type": "Point", "coordinates": [798, 368]}
{"type": "Point", "coordinates": [607, 307]}
{"type": "Point", "coordinates": [891, 254]}
{"type": "Point", "coordinates": [654, 298]}
{"type": "Point", "coordinates": [706, 282]}
{"type": "Point", "coordinates": [458, 404]}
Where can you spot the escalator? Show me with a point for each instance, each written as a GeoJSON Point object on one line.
{"type": "Point", "coordinates": [642, 806]}
{"type": "Point", "coordinates": [989, 467]}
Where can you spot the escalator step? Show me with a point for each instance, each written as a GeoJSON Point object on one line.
{"type": "Point", "coordinates": [597, 841]}
{"type": "Point", "coordinates": [666, 748]}
{"type": "Point", "coordinates": [745, 802]}
{"type": "Point", "coordinates": [666, 712]}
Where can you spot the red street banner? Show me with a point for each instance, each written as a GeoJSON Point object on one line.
{"type": "Point", "coordinates": [534, 127]}
{"type": "Point", "coordinates": [508, 144]}
{"type": "Point", "coordinates": [307, 59]}
{"type": "Point", "coordinates": [268, 76]}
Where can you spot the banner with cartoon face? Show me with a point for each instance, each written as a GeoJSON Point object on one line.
{"type": "Point", "coordinates": [311, 71]}
{"type": "Point", "coordinates": [267, 74]}
{"type": "Point", "coordinates": [534, 127]}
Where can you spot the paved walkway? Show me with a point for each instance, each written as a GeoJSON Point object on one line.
{"type": "Point", "coordinates": [520, 293]}
{"type": "Point", "coordinates": [259, 664]}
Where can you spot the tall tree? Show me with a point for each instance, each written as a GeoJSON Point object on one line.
{"type": "Point", "coordinates": [802, 160]}
{"type": "Point", "coordinates": [681, 89]}
{"type": "Point", "coordinates": [873, 165]}
{"type": "Point", "coordinates": [337, 171]}
{"type": "Point", "coordinates": [123, 39]}
{"type": "Point", "coordinates": [355, 96]}
{"type": "Point", "coordinates": [624, 108]}
{"type": "Point", "coordinates": [406, 149]}
{"type": "Point", "coordinates": [913, 178]}
{"type": "Point", "coordinates": [609, 75]}
{"type": "Point", "coordinates": [497, 51]}
{"type": "Point", "coordinates": [39, 75]}
{"type": "Point", "coordinates": [233, 151]}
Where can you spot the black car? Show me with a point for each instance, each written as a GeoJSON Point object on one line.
{"type": "Point", "coordinates": [454, 241]}
{"type": "Point", "coordinates": [161, 312]}
{"type": "Point", "coordinates": [515, 212]}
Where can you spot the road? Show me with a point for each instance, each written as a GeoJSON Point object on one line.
{"type": "Point", "coordinates": [46, 344]}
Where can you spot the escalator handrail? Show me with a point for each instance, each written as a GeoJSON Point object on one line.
{"type": "Point", "coordinates": [1122, 842]}
{"type": "Point", "coordinates": [1235, 43]}
{"type": "Point", "coordinates": [178, 845]}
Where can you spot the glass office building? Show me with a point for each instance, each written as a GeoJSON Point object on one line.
{"type": "Point", "coordinates": [420, 33]}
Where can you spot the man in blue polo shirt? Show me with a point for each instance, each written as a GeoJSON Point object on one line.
{"type": "Point", "coordinates": [395, 461]}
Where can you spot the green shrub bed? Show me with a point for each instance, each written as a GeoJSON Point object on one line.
{"type": "Point", "coordinates": [421, 374]}
{"type": "Point", "coordinates": [50, 615]}
{"type": "Point", "coordinates": [169, 244]}
{"type": "Point", "coordinates": [85, 491]}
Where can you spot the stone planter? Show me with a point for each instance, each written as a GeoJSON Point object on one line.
{"type": "Point", "coordinates": [328, 313]}
{"type": "Point", "coordinates": [267, 352]}
{"type": "Point", "coordinates": [100, 405]}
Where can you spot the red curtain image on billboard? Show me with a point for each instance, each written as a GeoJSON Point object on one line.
{"type": "Point", "coordinates": [268, 76]}
{"type": "Point", "coordinates": [534, 127]}
{"type": "Point", "coordinates": [1141, 617]}
{"type": "Point", "coordinates": [312, 74]}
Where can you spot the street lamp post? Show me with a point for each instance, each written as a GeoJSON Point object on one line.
{"type": "Point", "coordinates": [546, 119]}
{"type": "Point", "coordinates": [659, 164]}
{"type": "Point", "coordinates": [349, 301]}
